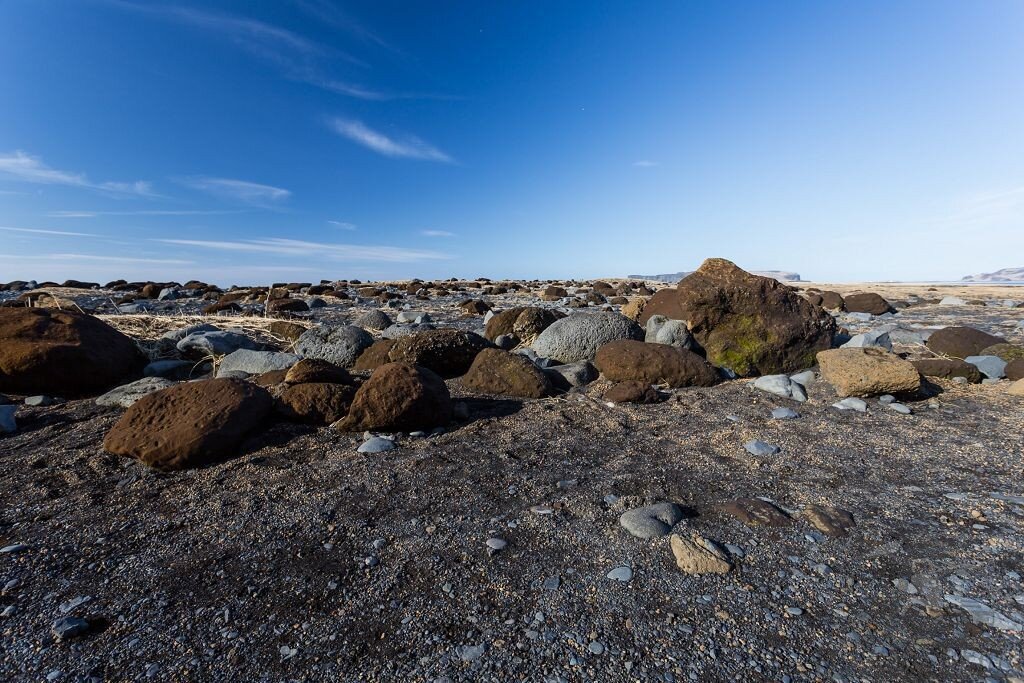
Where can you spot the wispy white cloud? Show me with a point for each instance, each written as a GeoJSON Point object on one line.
{"type": "Point", "coordinates": [39, 231]}
{"type": "Point", "coordinates": [94, 214]}
{"type": "Point", "coordinates": [645, 163]}
{"type": "Point", "coordinates": [342, 225]}
{"type": "Point", "coordinates": [238, 190]}
{"type": "Point", "coordinates": [408, 147]}
{"type": "Point", "coordinates": [992, 207]}
{"type": "Point", "coordinates": [291, 247]}
{"type": "Point", "coordinates": [25, 168]}
{"type": "Point", "coordinates": [118, 259]}
{"type": "Point", "coordinates": [437, 233]}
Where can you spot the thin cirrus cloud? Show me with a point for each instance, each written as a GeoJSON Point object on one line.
{"type": "Point", "coordinates": [243, 191]}
{"type": "Point", "coordinates": [342, 225]}
{"type": "Point", "coordinates": [645, 163]}
{"type": "Point", "coordinates": [437, 233]}
{"type": "Point", "coordinates": [94, 214]}
{"type": "Point", "coordinates": [22, 167]}
{"type": "Point", "coordinates": [119, 259]}
{"type": "Point", "coordinates": [407, 148]}
{"type": "Point", "coordinates": [290, 247]}
{"type": "Point", "coordinates": [39, 231]}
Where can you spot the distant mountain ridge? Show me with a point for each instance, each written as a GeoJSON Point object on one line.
{"type": "Point", "coordinates": [1004, 275]}
{"type": "Point", "coordinates": [781, 275]}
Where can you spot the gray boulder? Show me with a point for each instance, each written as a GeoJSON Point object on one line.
{"type": "Point", "coordinates": [404, 330]}
{"type": "Point", "coordinates": [578, 337]}
{"type": "Point", "coordinates": [781, 385]}
{"type": "Point", "coordinates": [374, 319]}
{"type": "Point", "coordinates": [217, 343]}
{"type": "Point", "coordinates": [662, 330]}
{"type": "Point", "coordinates": [339, 344]}
{"type": "Point", "coordinates": [172, 369]}
{"type": "Point", "coordinates": [127, 394]}
{"type": "Point", "coordinates": [876, 338]}
{"type": "Point", "coordinates": [255, 362]}
{"type": "Point", "coordinates": [992, 367]}
{"type": "Point", "coordinates": [571, 375]}
{"type": "Point", "coordinates": [179, 334]}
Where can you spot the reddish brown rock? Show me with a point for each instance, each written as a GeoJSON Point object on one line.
{"type": "Point", "coordinates": [628, 359]}
{"type": "Point", "coordinates": [747, 323]}
{"type": "Point", "coordinates": [525, 322]}
{"type": "Point", "coordinates": [474, 307]}
{"type": "Point", "coordinates": [286, 330]}
{"type": "Point", "coordinates": [189, 424]}
{"type": "Point", "coordinates": [317, 370]}
{"type": "Point", "coordinates": [315, 402]}
{"type": "Point", "coordinates": [867, 302]}
{"type": "Point", "coordinates": [947, 368]}
{"type": "Point", "coordinates": [64, 353]}
{"type": "Point", "coordinates": [632, 392]}
{"type": "Point", "coordinates": [756, 512]}
{"type": "Point", "coordinates": [286, 306]}
{"type": "Point", "coordinates": [506, 374]}
{"type": "Point", "coordinates": [961, 342]}
{"type": "Point", "coordinates": [399, 396]}
{"type": "Point", "coordinates": [376, 355]}
{"type": "Point", "coordinates": [447, 352]}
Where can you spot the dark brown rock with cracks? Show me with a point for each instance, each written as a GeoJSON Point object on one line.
{"type": "Point", "coordinates": [65, 353]}
{"type": "Point", "coordinates": [961, 342]}
{"type": "Point", "coordinates": [525, 322]}
{"type": "Point", "coordinates": [286, 330]}
{"type": "Point", "coordinates": [447, 352]}
{"type": "Point", "coordinates": [190, 424]}
{"type": "Point", "coordinates": [632, 391]}
{"type": "Point", "coordinates": [315, 402]}
{"type": "Point", "coordinates": [867, 302]}
{"type": "Point", "coordinates": [756, 512]}
{"type": "Point", "coordinates": [628, 359]}
{"type": "Point", "coordinates": [829, 520]}
{"type": "Point", "coordinates": [947, 368]}
{"type": "Point", "coordinates": [399, 396]}
{"type": "Point", "coordinates": [506, 374]}
{"type": "Point", "coordinates": [375, 355]}
{"type": "Point", "coordinates": [747, 323]}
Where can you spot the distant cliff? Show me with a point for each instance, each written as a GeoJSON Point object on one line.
{"type": "Point", "coordinates": [1004, 275]}
{"type": "Point", "coordinates": [783, 275]}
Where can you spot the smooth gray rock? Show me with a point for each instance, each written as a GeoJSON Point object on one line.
{"type": "Point", "coordinates": [39, 401]}
{"type": "Point", "coordinates": [67, 628]}
{"type": "Point", "coordinates": [899, 408]}
{"type": "Point", "coordinates": [651, 521]}
{"type": "Point", "coordinates": [908, 337]}
{"type": "Point", "coordinates": [577, 337]}
{"type": "Point", "coordinates": [216, 343]}
{"type": "Point", "coordinates": [784, 414]}
{"type": "Point", "coordinates": [760, 448]}
{"type": "Point", "coordinates": [339, 344]}
{"type": "Point", "coordinates": [623, 574]}
{"type": "Point", "coordinates": [171, 369]}
{"type": "Point", "coordinates": [851, 403]}
{"type": "Point", "coordinates": [874, 338]}
{"type": "Point", "coordinates": [377, 444]}
{"type": "Point", "coordinates": [780, 385]}
{"type": "Point", "coordinates": [417, 317]}
{"type": "Point", "coordinates": [506, 342]}
{"type": "Point", "coordinates": [661, 330]}
{"type": "Point", "coordinates": [804, 378]}
{"type": "Point", "coordinates": [992, 367]}
{"type": "Point", "coordinates": [127, 394]}
{"type": "Point", "coordinates": [374, 319]}
{"type": "Point", "coordinates": [8, 425]}
{"type": "Point", "coordinates": [179, 334]}
{"type": "Point", "coordinates": [255, 362]}
{"type": "Point", "coordinates": [571, 375]}
{"type": "Point", "coordinates": [399, 331]}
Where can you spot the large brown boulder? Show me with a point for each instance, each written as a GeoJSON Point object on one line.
{"type": "Point", "coordinates": [448, 352]}
{"type": "Point", "coordinates": [627, 359]}
{"type": "Point", "coordinates": [867, 372]}
{"type": "Point", "coordinates": [378, 354]}
{"type": "Point", "coordinates": [947, 368]}
{"type": "Point", "coordinates": [315, 402]}
{"type": "Point", "coordinates": [961, 342]}
{"type": "Point", "coordinates": [51, 351]}
{"type": "Point", "coordinates": [867, 302]}
{"type": "Point", "coordinates": [525, 322]}
{"type": "Point", "coordinates": [1015, 369]}
{"type": "Point", "coordinates": [1007, 352]}
{"type": "Point", "coordinates": [832, 301]}
{"type": "Point", "coordinates": [317, 370]}
{"type": "Point", "coordinates": [750, 324]}
{"type": "Point", "coordinates": [189, 424]}
{"type": "Point", "coordinates": [399, 396]}
{"type": "Point", "coordinates": [506, 374]}
{"type": "Point", "coordinates": [632, 392]}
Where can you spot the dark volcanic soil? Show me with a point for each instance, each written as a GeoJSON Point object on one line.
{"type": "Point", "coordinates": [256, 569]}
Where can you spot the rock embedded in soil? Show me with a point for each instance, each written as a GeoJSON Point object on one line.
{"type": "Point", "coordinates": [630, 360]}
{"type": "Point", "coordinates": [756, 512]}
{"type": "Point", "coordinates": [867, 372]}
{"type": "Point", "coordinates": [399, 397]}
{"type": "Point", "coordinates": [189, 424]}
{"type": "Point", "coordinates": [338, 344]}
{"type": "Point", "coordinates": [697, 555]}
{"type": "Point", "coordinates": [256, 362]}
{"type": "Point", "coordinates": [750, 324]}
{"type": "Point", "coordinates": [570, 375]}
{"type": "Point", "coordinates": [318, 403]}
{"type": "Point", "coordinates": [947, 368]}
{"type": "Point", "coordinates": [961, 342]}
{"type": "Point", "coordinates": [651, 521]}
{"type": "Point", "coordinates": [867, 302]}
{"type": "Point", "coordinates": [506, 374]}
{"type": "Point", "coordinates": [992, 367]}
{"type": "Point", "coordinates": [309, 370]}
{"type": "Point", "coordinates": [124, 396]}
{"type": "Point", "coordinates": [829, 520]}
{"type": "Point", "coordinates": [63, 352]}
{"type": "Point", "coordinates": [632, 391]}
{"type": "Point", "coordinates": [447, 352]}
{"type": "Point", "coordinates": [781, 385]}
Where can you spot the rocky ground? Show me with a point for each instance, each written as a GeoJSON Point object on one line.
{"type": "Point", "coordinates": [493, 550]}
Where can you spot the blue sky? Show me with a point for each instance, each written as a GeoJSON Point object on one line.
{"type": "Point", "coordinates": [307, 139]}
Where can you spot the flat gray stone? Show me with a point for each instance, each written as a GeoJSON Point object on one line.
{"type": "Point", "coordinates": [377, 444]}
{"type": "Point", "coordinates": [623, 574]}
{"type": "Point", "coordinates": [851, 403]}
{"type": "Point", "coordinates": [780, 385]}
{"type": "Point", "coordinates": [127, 394]}
{"type": "Point", "coordinates": [255, 362]}
{"type": "Point", "coordinates": [339, 344]}
{"type": "Point", "coordinates": [993, 367]}
{"type": "Point", "coordinates": [760, 448]}
{"type": "Point", "coordinates": [784, 414]}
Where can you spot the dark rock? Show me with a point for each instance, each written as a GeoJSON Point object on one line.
{"type": "Point", "coordinates": [317, 370]}
{"type": "Point", "coordinates": [632, 391]}
{"type": "Point", "coordinates": [867, 302]}
{"type": "Point", "coordinates": [947, 368]}
{"type": "Point", "coordinates": [506, 374]}
{"type": "Point", "coordinates": [399, 396]}
{"type": "Point", "coordinates": [315, 402]}
{"type": "Point", "coordinates": [961, 342]}
{"type": "Point", "coordinates": [627, 359]}
{"type": "Point", "coordinates": [447, 352]}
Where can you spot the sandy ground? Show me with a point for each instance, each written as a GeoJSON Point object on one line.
{"type": "Point", "coordinates": [303, 560]}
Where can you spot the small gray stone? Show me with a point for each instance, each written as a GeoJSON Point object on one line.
{"type": "Point", "coordinates": [571, 375]}
{"type": "Point", "coordinates": [623, 574]}
{"type": "Point", "coordinates": [760, 448]}
{"type": "Point", "coordinates": [780, 385]}
{"type": "Point", "coordinates": [899, 408]}
{"type": "Point", "coordinates": [496, 544]}
{"type": "Point", "coordinates": [67, 628]}
{"type": "Point", "coordinates": [377, 444]}
{"type": "Point", "coordinates": [127, 394]}
{"type": "Point", "coordinates": [181, 333]}
{"type": "Point", "coordinates": [471, 653]}
{"type": "Point", "coordinates": [874, 338]}
{"type": "Point", "coordinates": [992, 367]}
{"type": "Point", "coordinates": [851, 403]}
{"type": "Point", "coordinates": [218, 343]}
{"type": "Point", "coordinates": [255, 362]}
{"type": "Point", "coordinates": [170, 369]}
{"type": "Point", "coordinates": [785, 414]}
{"type": "Point", "coordinates": [37, 401]}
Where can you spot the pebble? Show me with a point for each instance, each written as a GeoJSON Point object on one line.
{"type": "Point", "coordinates": [496, 544]}
{"type": "Point", "coordinates": [39, 401]}
{"type": "Point", "coordinates": [651, 521]}
{"type": "Point", "coordinates": [623, 574]}
{"type": "Point", "coordinates": [794, 611]}
{"type": "Point", "coordinates": [377, 444]}
{"type": "Point", "coordinates": [851, 403]}
{"type": "Point", "coordinates": [471, 653]}
{"type": "Point", "coordinates": [899, 408]}
{"type": "Point", "coordinates": [760, 448]}
{"type": "Point", "coordinates": [785, 414]}
{"type": "Point", "coordinates": [8, 425]}
{"type": "Point", "coordinates": [596, 647]}
{"type": "Point", "coordinates": [11, 549]}
{"type": "Point", "coordinates": [552, 583]}
{"type": "Point", "coordinates": [67, 628]}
